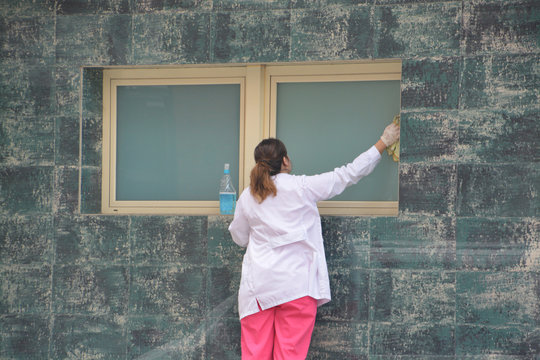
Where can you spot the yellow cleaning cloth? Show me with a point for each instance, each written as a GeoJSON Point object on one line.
{"type": "Point", "coordinates": [393, 150]}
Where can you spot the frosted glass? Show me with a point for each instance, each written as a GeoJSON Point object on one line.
{"type": "Point", "coordinates": [173, 140]}
{"type": "Point", "coordinates": [327, 124]}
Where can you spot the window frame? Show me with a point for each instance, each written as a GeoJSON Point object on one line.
{"type": "Point", "coordinates": [257, 121]}
{"type": "Point", "coordinates": [372, 71]}
{"type": "Point", "coordinates": [169, 76]}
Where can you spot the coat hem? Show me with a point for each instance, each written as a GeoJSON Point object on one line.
{"type": "Point", "coordinates": [320, 301]}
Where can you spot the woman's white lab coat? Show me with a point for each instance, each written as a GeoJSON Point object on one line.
{"type": "Point", "coordinates": [285, 257]}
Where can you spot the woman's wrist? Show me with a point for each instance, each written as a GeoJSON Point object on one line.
{"type": "Point", "coordinates": [380, 145]}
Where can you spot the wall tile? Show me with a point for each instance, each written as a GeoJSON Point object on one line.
{"type": "Point", "coordinates": [412, 297]}
{"type": "Point", "coordinates": [505, 244]}
{"type": "Point", "coordinates": [88, 337]}
{"type": "Point", "coordinates": [73, 7]}
{"type": "Point", "coordinates": [420, 339]}
{"type": "Point", "coordinates": [66, 140]}
{"type": "Point", "coordinates": [412, 357]}
{"type": "Point", "coordinates": [92, 140]}
{"type": "Point", "coordinates": [92, 239]}
{"type": "Point", "coordinates": [27, 40]}
{"type": "Point", "coordinates": [158, 337]}
{"type": "Point", "coordinates": [339, 340]}
{"type": "Point", "coordinates": [499, 340]}
{"type": "Point", "coordinates": [487, 136]}
{"type": "Point", "coordinates": [429, 137]}
{"type": "Point", "coordinates": [492, 357]}
{"type": "Point", "coordinates": [307, 4]}
{"type": "Point", "coordinates": [222, 250]}
{"type": "Point", "coordinates": [223, 340]}
{"type": "Point", "coordinates": [26, 240]}
{"type": "Point", "coordinates": [26, 190]}
{"type": "Point", "coordinates": [67, 90]}
{"type": "Point", "coordinates": [171, 290]}
{"type": "Point", "coordinates": [25, 289]}
{"type": "Point", "coordinates": [405, 2]}
{"type": "Point", "coordinates": [27, 141]}
{"type": "Point", "coordinates": [222, 324]}
{"type": "Point", "coordinates": [90, 289]}
{"type": "Point", "coordinates": [24, 336]}
{"type": "Point", "coordinates": [418, 30]}
{"type": "Point", "coordinates": [500, 82]}
{"type": "Point", "coordinates": [169, 240]}
{"type": "Point", "coordinates": [498, 298]}
{"type": "Point", "coordinates": [222, 294]}
{"type": "Point", "coordinates": [235, 5]}
{"type": "Point", "coordinates": [500, 26]}
{"type": "Point", "coordinates": [347, 242]}
{"type": "Point", "coordinates": [328, 354]}
{"type": "Point", "coordinates": [151, 6]}
{"type": "Point", "coordinates": [93, 39]}
{"type": "Point", "coordinates": [91, 190]}
{"type": "Point", "coordinates": [251, 36]}
{"type": "Point", "coordinates": [480, 162]}
{"type": "Point", "coordinates": [331, 33]}
{"type": "Point", "coordinates": [66, 190]}
{"type": "Point", "coordinates": [225, 267]}
{"type": "Point", "coordinates": [27, 7]}
{"type": "Point", "coordinates": [427, 189]}
{"type": "Point", "coordinates": [26, 91]}
{"type": "Point", "coordinates": [92, 128]}
{"type": "Point", "coordinates": [430, 83]}
{"type": "Point", "coordinates": [171, 38]}
{"type": "Point", "coordinates": [498, 190]}
{"type": "Point", "coordinates": [92, 92]}
{"type": "Point", "coordinates": [406, 242]}
{"type": "Point", "coordinates": [350, 296]}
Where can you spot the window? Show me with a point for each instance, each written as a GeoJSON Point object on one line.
{"type": "Point", "coordinates": [326, 115]}
{"type": "Point", "coordinates": [168, 132]}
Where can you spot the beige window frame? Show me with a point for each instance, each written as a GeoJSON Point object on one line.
{"type": "Point", "coordinates": [258, 84]}
{"type": "Point", "coordinates": [250, 132]}
{"type": "Point", "coordinates": [373, 71]}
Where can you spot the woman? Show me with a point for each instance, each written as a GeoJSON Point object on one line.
{"type": "Point", "coordinates": [284, 273]}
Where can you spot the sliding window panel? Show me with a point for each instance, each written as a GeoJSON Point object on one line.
{"type": "Point", "coordinates": [166, 139]}
{"type": "Point", "coordinates": [326, 124]}
{"type": "Point", "coordinates": [172, 141]}
{"type": "Point", "coordinates": [326, 120]}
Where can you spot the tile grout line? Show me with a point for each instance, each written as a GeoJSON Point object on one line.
{"type": "Point", "coordinates": [53, 217]}
{"type": "Point", "coordinates": [130, 239]}
{"type": "Point", "coordinates": [459, 108]}
{"type": "Point", "coordinates": [133, 14]}
{"type": "Point", "coordinates": [370, 277]}
{"type": "Point", "coordinates": [79, 192]}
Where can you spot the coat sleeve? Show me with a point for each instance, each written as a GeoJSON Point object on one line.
{"type": "Point", "coordinates": [239, 227]}
{"type": "Point", "coordinates": [327, 185]}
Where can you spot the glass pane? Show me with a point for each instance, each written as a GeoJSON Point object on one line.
{"type": "Point", "coordinates": [327, 124]}
{"type": "Point", "coordinates": [172, 141]}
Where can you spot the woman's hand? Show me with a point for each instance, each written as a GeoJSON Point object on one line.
{"type": "Point", "coordinates": [389, 136]}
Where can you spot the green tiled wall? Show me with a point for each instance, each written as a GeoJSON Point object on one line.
{"type": "Point", "coordinates": [456, 275]}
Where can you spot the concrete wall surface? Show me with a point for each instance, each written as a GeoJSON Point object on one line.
{"type": "Point", "coordinates": [456, 275]}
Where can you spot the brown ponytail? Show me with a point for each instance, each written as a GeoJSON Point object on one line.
{"type": "Point", "coordinates": [269, 156]}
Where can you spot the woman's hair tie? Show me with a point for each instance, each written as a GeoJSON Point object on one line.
{"type": "Point", "coordinates": [265, 163]}
{"type": "Point", "coordinates": [274, 167]}
{"type": "Point", "coordinates": [269, 156]}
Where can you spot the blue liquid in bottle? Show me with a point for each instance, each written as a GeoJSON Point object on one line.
{"type": "Point", "coordinates": [227, 203]}
{"type": "Point", "coordinates": [227, 193]}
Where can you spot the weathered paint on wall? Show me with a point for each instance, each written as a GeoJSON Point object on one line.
{"type": "Point", "coordinates": [456, 275]}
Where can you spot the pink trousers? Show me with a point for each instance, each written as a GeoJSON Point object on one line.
{"type": "Point", "coordinates": [279, 333]}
